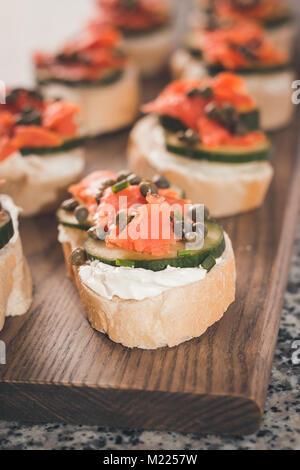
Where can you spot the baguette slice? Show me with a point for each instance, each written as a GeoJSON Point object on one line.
{"type": "Point", "coordinates": [175, 316]}
{"type": "Point", "coordinates": [226, 189]}
{"type": "Point", "coordinates": [15, 282]}
{"type": "Point", "coordinates": [103, 108]}
{"type": "Point", "coordinates": [39, 184]}
{"type": "Point", "coordinates": [150, 51]}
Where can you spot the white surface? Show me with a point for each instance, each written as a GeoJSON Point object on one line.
{"type": "Point", "coordinates": [28, 25]}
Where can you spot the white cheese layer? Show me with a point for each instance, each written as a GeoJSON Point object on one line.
{"type": "Point", "coordinates": [137, 284]}
{"type": "Point", "coordinates": [151, 51]}
{"type": "Point", "coordinates": [35, 182]}
{"type": "Point", "coordinates": [102, 108]}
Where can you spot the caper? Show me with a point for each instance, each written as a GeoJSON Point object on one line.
{"type": "Point", "coordinates": [29, 117]}
{"type": "Point", "coordinates": [13, 95]}
{"type": "Point", "coordinates": [206, 92]}
{"type": "Point", "coordinates": [229, 117]}
{"type": "Point", "coordinates": [161, 182]}
{"type": "Point", "coordinates": [70, 205]}
{"type": "Point", "coordinates": [107, 184]}
{"type": "Point", "coordinates": [195, 212]}
{"type": "Point", "coordinates": [148, 187]}
{"type": "Point", "coordinates": [133, 179]}
{"type": "Point", "coordinates": [191, 237]}
{"type": "Point", "coordinates": [188, 137]}
{"type": "Point", "coordinates": [67, 58]}
{"type": "Point", "coordinates": [212, 111]}
{"type": "Point", "coordinates": [200, 228]}
{"type": "Point", "coordinates": [123, 175]}
{"type": "Point", "coordinates": [98, 197]}
{"type": "Point", "coordinates": [97, 233]}
{"type": "Point", "coordinates": [179, 229]}
{"type": "Point", "coordinates": [35, 94]}
{"type": "Point", "coordinates": [81, 214]}
{"type": "Point", "coordinates": [78, 257]}
{"type": "Point", "coordinates": [122, 219]}
{"type": "Point", "coordinates": [240, 129]}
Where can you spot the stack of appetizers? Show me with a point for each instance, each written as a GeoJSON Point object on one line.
{"type": "Point", "coordinates": [93, 72]}
{"type": "Point", "coordinates": [146, 28]}
{"type": "Point", "coordinates": [243, 48]}
{"type": "Point", "coordinates": [274, 16]}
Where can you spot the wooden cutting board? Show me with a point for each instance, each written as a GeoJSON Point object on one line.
{"type": "Point", "coordinates": [60, 370]}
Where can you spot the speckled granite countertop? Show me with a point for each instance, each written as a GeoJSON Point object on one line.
{"type": "Point", "coordinates": [280, 428]}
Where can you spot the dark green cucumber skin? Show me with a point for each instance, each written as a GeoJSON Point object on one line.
{"type": "Point", "coordinates": [78, 226]}
{"type": "Point", "coordinates": [218, 68]}
{"type": "Point", "coordinates": [250, 120]}
{"type": "Point", "coordinates": [213, 156]}
{"type": "Point", "coordinates": [109, 80]}
{"type": "Point", "coordinates": [69, 145]}
{"type": "Point", "coordinates": [6, 232]}
{"type": "Point", "coordinates": [131, 33]}
{"type": "Point", "coordinates": [191, 261]}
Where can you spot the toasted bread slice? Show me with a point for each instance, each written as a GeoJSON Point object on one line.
{"type": "Point", "coordinates": [15, 282]}
{"type": "Point", "coordinates": [150, 51]}
{"type": "Point", "coordinates": [39, 184]}
{"type": "Point", "coordinates": [168, 319]}
{"type": "Point", "coordinates": [226, 189]}
{"type": "Point", "coordinates": [103, 108]}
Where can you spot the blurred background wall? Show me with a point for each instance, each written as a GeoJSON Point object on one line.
{"type": "Point", "coordinates": [27, 25]}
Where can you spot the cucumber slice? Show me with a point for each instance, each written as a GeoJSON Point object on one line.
{"type": "Point", "coordinates": [105, 80]}
{"type": "Point", "coordinates": [214, 246]}
{"type": "Point", "coordinates": [223, 154]}
{"type": "Point", "coordinates": [6, 229]}
{"type": "Point", "coordinates": [66, 146]}
{"type": "Point", "coordinates": [68, 219]}
{"type": "Point", "coordinates": [249, 119]}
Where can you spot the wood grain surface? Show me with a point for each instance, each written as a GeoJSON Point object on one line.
{"type": "Point", "coordinates": [59, 369]}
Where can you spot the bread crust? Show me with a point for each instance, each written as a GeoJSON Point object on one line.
{"type": "Point", "coordinates": [39, 188]}
{"type": "Point", "coordinates": [175, 316]}
{"type": "Point", "coordinates": [243, 187]}
{"type": "Point", "coordinates": [15, 282]}
{"type": "Point", "coordinates": [103, 109]}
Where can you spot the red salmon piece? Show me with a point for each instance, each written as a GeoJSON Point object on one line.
{"type": "Point", "coordinates": [36, 136]}
{"type": "Point", "coordinates": [149, 232]}
{"type": "Point", "coordinates": [88, 188]}
{"type": "Point", "coordinates": [213, 135]}
{"type": "Point", "coordinates": [59, 117]}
